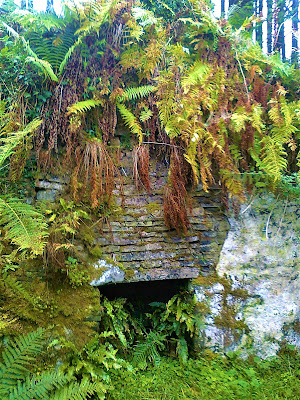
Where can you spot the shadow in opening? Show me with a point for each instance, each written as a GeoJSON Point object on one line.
{"type": "Point", "coordinates": [142, 293]}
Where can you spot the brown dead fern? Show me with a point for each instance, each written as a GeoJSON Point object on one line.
{"type": "Point", "coordinates": [97, 171]}
{"type": "Point", "coordinates": [176, 199]}
{"type": "Point", "coordinates": [141, 167]}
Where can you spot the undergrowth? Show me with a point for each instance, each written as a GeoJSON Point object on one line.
{"type": "Point", "coordinates": [213, 377]}
{"type": "Point", "coordinates": [133, 359]}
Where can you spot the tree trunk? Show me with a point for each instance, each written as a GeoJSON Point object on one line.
{"type": "Point", "coordinates": [222, 8]}
{"type": "Point", "coordinates": [49, 7]}
{"type": "Point", "coordinates": [280, 37]}
{"type": "Point", "coordinates": [295, 21]}
{"type": "Point", "coordinates": [259, 14]}
{"type": "Point", "coordinates": [269, 26]}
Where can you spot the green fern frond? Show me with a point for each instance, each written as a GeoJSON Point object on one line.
{"type": "Point", "coordinates": [54, 48]}
{"type": "Point", "coordinates": [38, 387]}
{"type": "Point", "coordinates": [16, 381]}
{"type": "Point", "coordinates": [97, 15]}
{"type": "Point", "coordinates": [281, 68]}
{"type": "Point", "coordinates": [197, 74]}
{"type": "Point", "coordinates": [84, 106]}
{"type": "Point", "coordinates": [16, 287]}
{"type": "Point", "coordinates": [253, 55]}
{"type": "Point", "coordinates": [44, 66]}
{"type": "Point", "coordinates": [17, 356]}
{"type": "Point", "coordinates": [11, 141]}
{"type": "Point", "coordinates": [134, 93]}
{"type": "Point", "coordinates": [238, 120]}
{"type": "Point", "coordinates": [131, 121]}
{"type": "Point", "coordinates": [23, 225]}
{"type": "Point", "coordinates": [38, 21]}
{"type": "Point", "coordinates": [287, 111]}
{"type": "Point", "coordinates": [273, 158]}
{"type": "Point", "coordinates": [283, 116]}
{"type": "Point", "coordinates": [41, 64]}
{"type": "Point", "coordinates": [281, 135]}
{"type": "Point", "coordinates": [80, 391]}
{"type": "Point", "coordinates": [182, 350]}
{"type": "Point", "coordinates": [235, 153]}
{"type": "Point", "coordinates": [191, 21]}
{"type": "Point", "coordinates": [232, 181]}
{"type": "Point", "coordinates": [256, 118]}
{"type": "Point", "coordinates": [68, 55]}
{"type": "Point", "coordinates": [11, 30]}
{"type": "Point", "coordinates": [146, 115]}
{"type": "Point", "coordinates": [148, 350]}
{"type": "Point", "coordinates": [274, 112]}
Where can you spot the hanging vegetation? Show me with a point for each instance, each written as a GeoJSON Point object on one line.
{"type": "Point", "coordinates": [195, 82]}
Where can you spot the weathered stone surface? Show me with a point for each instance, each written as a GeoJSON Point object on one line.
{"type": "Point", "coordinates": [261, 256]}
{"type": "Point", "coordinates": [111, 275]}
{"type": "Point", "coordinates": [49, 185]}
{"type": "Point", "coordinates": [48, 195]}
{"type": "Point", "coordinates": [48, 189]}
{"type": "Point", "coordinates": [115, 274]}
{"type": "Point", "coordinates": [141, 244]}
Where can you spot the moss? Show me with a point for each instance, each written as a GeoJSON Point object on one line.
{"type": "Point", "coordinates": [129, 273]}
{"type": "Point", "coordinates": [86, 234]}
{"type": "Point", "coordinates": [202, 308]}
{"type": "Point", "coordinates": [50, 300]}
{"type": "Point", "coordinates": [96, 251]}
{"type": "Point", "coordinates": [227, 319]}
{"type": "Point", "coordinates": [241, 293]}
{"type": "Point", "coordinates": [293, 326]}
{"type": "Point", "coordinates": [116, 211]}
{"type": "Point", "coordinates": [97, 272]}
{"type": "Point", "coordinates": [212, 279]}
{"type": "Point", "coordinates": [114, 262]}
{"type": "Point", "coordinates": [152, 207]}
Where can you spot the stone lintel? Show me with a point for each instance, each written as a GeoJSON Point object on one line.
{"type": "Point", "coordinates": [116, 275]}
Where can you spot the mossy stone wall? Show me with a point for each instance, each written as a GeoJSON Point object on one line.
{"type": "Point", "coordinates": [138, 246]}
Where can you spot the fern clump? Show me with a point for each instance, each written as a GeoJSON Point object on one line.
{"type": "Point", "coordinates": [24, 226]}
{"type": "Point", "coordinates": [18, 382]}
{"type": "Point", "coordinates": [148, 350]}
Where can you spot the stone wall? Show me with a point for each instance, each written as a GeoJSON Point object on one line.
{"type": "Point", "coordinates": [245, 273]}
{"type": "Point", "coordinates": [138, 246]}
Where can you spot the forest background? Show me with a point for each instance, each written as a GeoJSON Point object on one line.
{"type": "Point", "coordinates": [278, 27]}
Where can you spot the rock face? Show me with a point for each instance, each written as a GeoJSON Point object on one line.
{"type": "Point", "coordinates": [261, 254]}
{"type": "Point", "coordinates": [140, 243]}
{"type": "Point", "coordinates": [246, 276]}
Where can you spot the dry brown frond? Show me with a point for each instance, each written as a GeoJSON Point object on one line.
{"type": "Point", "coordinates": [98, 172]}
{"type": "Point", "coordinates": [176, 197]}
{"type": "Point", "coordinates": [141, 167]}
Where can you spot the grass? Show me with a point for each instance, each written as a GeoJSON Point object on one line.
{"type": "Point", "coordinates": [212, 377]}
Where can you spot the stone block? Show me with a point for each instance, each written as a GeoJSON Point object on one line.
{"type": "Point", "coordinates": [47, 195]}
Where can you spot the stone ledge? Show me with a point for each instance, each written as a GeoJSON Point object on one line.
{"type": "Point", "coordinates": [114, 274]}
